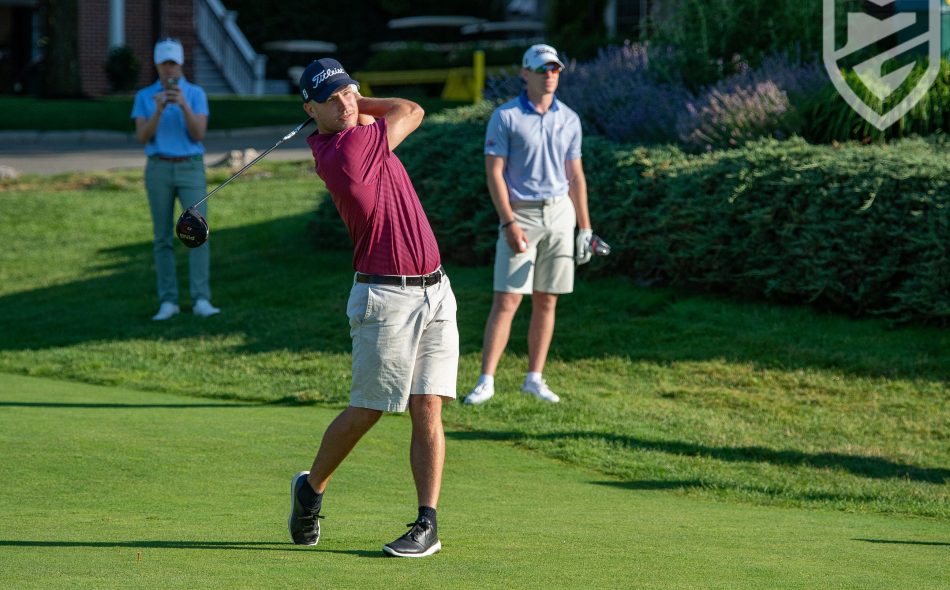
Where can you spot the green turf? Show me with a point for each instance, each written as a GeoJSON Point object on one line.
{"type": "Point", "coordinates": [112, 488]}
{"type": "Point", "coordinates": [697, 396]}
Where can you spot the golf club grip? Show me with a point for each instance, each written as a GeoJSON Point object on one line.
{"type": "Point", "coordinates": [292, 133]}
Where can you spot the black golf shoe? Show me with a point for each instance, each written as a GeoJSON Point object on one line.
{"type": "Point", "coordinates": [304, 524]}
{"type": "Point", "coordinates": [421, 540]}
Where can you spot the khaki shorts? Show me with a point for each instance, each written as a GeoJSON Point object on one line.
{"type": "Point", "coordinates": [405, 342]}
{"type": "Point", "coordinates": [548, 264]}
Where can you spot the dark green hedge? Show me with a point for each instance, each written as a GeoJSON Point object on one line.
{"type": "Point", "coordinates": [859, 229]}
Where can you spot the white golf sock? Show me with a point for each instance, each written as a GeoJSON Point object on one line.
{"type": "Point", "coordinates": [533, 377]}
{"type": "Point", "coordinates": [489, 379]}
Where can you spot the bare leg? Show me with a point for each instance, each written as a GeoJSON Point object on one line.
{"type": "Point", "coordinates": [339, 439]}
{"type": "Point", "coordinates": [498, 329]}
{"type": "Point", "coordinates": [427, 449]}
{"type": "Point", "coordinates": [541, 330]}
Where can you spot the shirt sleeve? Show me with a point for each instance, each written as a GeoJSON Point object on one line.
{"type": "Point", "coordinates": [199, 101]}
{"type": "Point", "coordinates": [140, 106]}
{"type": "Point", "coordinates": [574, 145]}
{"type": "Point", "coordinates": [496, 136]}
{"type": "Point", "coordinates": [363, 149]}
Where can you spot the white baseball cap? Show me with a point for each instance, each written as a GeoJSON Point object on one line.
{"type": "Point", "coordinates": [539, 55]}
{"type": "Point", "coordinates": [169, 50]}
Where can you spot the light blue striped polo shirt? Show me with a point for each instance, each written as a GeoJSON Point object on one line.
{"type": "Point", "coordinates": [535, 147]}
{"type": "Point", "coordinates": [171, 137]}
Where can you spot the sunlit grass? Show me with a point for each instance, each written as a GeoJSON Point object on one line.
{"type": "Point", "coordinates": [663, 389]}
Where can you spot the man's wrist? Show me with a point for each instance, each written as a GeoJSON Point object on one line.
{"type": "Point", "coordinates": [505, 224]}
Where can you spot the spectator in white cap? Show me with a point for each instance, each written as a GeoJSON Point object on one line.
{"type": "Point", "coordinates": [537, 185]}
{"type": "Point", "coordinates": [171, 117]}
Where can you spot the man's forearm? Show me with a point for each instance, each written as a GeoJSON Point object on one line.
{"type": "Point", "coordinates": [578, 194]}
{"type": "Point", "coordinates": [499, 196]}
{"type": "Point", "coordinates": [577, 191]}
{"type": "Point", "coordinates": [379, 107]}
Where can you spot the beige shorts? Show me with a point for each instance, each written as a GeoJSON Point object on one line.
{"type": "Point", "coordinates": [405, 342]}
{"type": "Point", "coordinates": [548, 264]}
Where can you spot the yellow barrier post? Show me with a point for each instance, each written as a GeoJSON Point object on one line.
{"type": "Point", "coordinates": [478, 82]}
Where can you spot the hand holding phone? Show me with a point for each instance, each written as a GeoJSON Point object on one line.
{"type": "Point", "coordinates": [171, 90]}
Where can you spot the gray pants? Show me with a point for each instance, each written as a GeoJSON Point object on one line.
{"type": "Point", "coordinates": [164, 181]}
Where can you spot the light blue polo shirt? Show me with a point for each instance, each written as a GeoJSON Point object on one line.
{"type": "Point", "coordinates": [171, 137]}
{"type": "Point", "coordinates": [535, 147]}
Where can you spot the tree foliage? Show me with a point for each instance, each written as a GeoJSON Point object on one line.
{"type": "Point", "coordinates": [122, 69]}
{"type": "Point", "coordinates": [714, 37]}
{"type": "Point", "coordinates": [61, 50]}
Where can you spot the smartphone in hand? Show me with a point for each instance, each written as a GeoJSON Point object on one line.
{"type": "Point", "coordinates": [171, 85]}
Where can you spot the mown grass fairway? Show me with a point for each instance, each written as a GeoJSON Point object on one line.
{"type": "Point", "coordinates": [700, 442]}
{"type": "Point", "coordinates": [107, 487]}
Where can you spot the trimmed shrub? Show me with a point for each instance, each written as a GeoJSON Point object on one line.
{"type": "Point", "coordinates": [858, 229]}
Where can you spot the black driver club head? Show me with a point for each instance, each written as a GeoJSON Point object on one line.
{"type": "Point", "coordinates": [192, 229]}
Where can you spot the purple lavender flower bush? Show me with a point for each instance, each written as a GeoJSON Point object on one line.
{"type": "Point", "coordinates": [760, 102]}
{"type": "Point", "coordinates": [620, 96]}
{"type": "Point", "coordinates": [615, 95]}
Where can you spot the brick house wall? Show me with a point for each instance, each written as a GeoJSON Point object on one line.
{"type": "Point", "coordinates": [146, 21]}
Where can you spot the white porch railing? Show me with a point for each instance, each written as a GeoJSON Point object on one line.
{"type": "Point", "coordinates": [218, 32]}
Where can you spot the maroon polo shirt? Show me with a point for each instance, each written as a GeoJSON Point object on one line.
{"type": "Point", "coordinates": [376, 199]}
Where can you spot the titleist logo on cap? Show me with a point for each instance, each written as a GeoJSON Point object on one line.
{"type": "Point", "coordinates": [321, 76]}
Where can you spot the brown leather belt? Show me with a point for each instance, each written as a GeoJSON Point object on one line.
{"type": "Point", "coordinates": [410, 281]}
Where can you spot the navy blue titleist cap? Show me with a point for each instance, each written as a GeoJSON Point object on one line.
{"type": "Point", "coordinates": [321, 78]}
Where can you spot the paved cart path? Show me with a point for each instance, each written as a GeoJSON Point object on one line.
{"type": "Point", "coordinates": [30, 152]}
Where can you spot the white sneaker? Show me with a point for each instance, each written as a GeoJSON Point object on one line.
{"type": "Point", "coordinates": [540, 390]}
{"type": "Point", "coordinates": [165, 311]}
{"type": "Point", "coordinates": [481, 394]}
{"type": "Point", "coordinates": [203, 308]}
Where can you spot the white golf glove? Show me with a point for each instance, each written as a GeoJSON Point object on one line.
{"type": "Point", "coordinates": [582, 250]}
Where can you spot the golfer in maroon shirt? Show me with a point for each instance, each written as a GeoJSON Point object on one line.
{"type": "Point", "coordinates": [401, 307]}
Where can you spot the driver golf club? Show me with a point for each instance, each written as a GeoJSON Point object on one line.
{"type": "Point", "coordinates": [192, 228]}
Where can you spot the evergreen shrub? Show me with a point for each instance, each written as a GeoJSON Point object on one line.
{"type": "Point", "coordinates": [859, 229]}
{"type": "Point", "coordinates": [122, 68]}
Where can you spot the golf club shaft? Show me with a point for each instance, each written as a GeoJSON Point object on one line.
{"type": "Point", "coordinates": [295, 131]}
